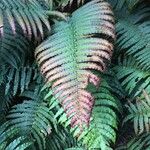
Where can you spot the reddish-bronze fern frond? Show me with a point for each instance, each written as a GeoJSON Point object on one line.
{"type": "Point", "coordinates": [81, 44]}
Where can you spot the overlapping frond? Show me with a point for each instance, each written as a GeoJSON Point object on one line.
{"type": "Point", "coordinates": [104, 119]}
{"type": "Point", "coordinates": [117, 4]}
{"type": "Point", "coordinates": [46, 4]}
{"type": "Point", "coordinates": [134, 37]}
{"type": "Point", "coordinates": [136, 143]}
{"type": "Point", "coordinates": [64, 3]}
{"type": "Point", "coordinates": [60, 140]}
{"type": "Point", "coordinates": [14, 49]}
{"type": "Point", "coordinates": [114, 84]}
{"type": "Point", "coordinates": [133, 78]}
{"type": "Point", "coordinates": [132, 3]}
{"type": "Point", "coordinates": [77, 46]}
{"type": "Point", "coordinates": [18, 84]}
{"type": "Point", "coordinates": [5, 101]}
{"type": "Point", "coordinates": [139, 113]}
{"type": "Point", "coordinates": [75, 148]}
{"type": "Point", "coordinates": [34, 120]}
{"type": "Point", "coordinates": [18, 80]}
{"type": "Point", "coordinates": [9, 139]}
{"type": "Point", "coordinates": [28, 14]}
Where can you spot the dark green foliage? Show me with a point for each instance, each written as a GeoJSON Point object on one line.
{"type": "Point", "coordinates": [33, 119]}
{"type": "Point", "coordinates": [9, 139]}
{"type": "Point", "coordinates": [15, 49]}
{"type": "Point", "coordinates": [28, 14]}
{"type": "Point", "coordinates": [134, 78]}
{"type": "Point", "coordinates": [136, 143]}
{"type": "Point", "coordinates": [139, 113]}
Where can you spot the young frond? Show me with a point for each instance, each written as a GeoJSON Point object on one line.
{"type": "Point", "coordinates": [34, 120]}
{"type": "Point", "coordinates": [140, 114]}
{"type": "Point", "coordinates": [81, 44]}
{"type": "Point", "coordinates": [28, 14]}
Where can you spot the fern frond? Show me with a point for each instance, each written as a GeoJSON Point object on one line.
{"type": "Point", "coordinates": [64, 3]}
{"type": "Point", "coordinates": [18, 144]}
{"type": "Point", "coordinates": [132, 3]}
{"type": "Point", "coordinates": [60, 140]}
{"type": "Point", "coordinates": [117, 4]}
{"type": "Point", "coordinates": [71, 52]}
{"type": "Point", "coordinates": [9, 139]}
{"type": "Point", "coordinates": [115, 86]}
{"type": "Point", "coordinates": [33, 120]}
{"type": "Point", "coordinates": [18, 80]}
{"type": "Point", "coordinates": [28, 14]}
{"type": "Point", "coordinates": [139, 113]}
{"type": "Point", "coordinates": [136, 143]}
{"type": "Point", "coordinates": [46, 4]}
{"type": "Point", "coordinates": [5, 101]}
{"type": "Point", "coordinates": [129, 39]}
{"type": "Point", "coordinates": [15, 50]}
{"type": "Point", "coordinates": [101, 132]}
{"type": "Point", "coordinates": [75, 148]}
{"type": "Point", "coordinates": [133, 78]}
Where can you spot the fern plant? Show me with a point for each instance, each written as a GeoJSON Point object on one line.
{"type": "Point", "coordinates": [74, 74]}
{"type": "Point", "coordinates": [69, 55]}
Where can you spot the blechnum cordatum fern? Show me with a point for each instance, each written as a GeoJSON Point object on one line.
{"type": "Point", "coordinates": [74, 75]}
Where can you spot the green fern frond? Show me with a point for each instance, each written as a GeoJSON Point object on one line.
{"type": "Point", "coordinates": [46, 4]}
{"type": "Point", "coordinates": [34, 120]}
{"type": "Point", "coordinates": [18, 144]}
{"type": "Point", "coordinates": [28, 14]}
{"type": "Point", "coordinates": [115, 86]}
{"type": "Point", "coordinates": [104, 119]}
{"type": "Point", "coordinates": [9, 139]}
{"type": "Point", "coordinates": [7, 133]}
{"type": "Point", "coordinates": [18, 84]}
{"type": "Point", "coordinates": [139, 113]}
{"type": "Point", "coordinates": [117, 4]}
{"type": "Point", "coordinates": [72, 51]}
{"type": "Point", "coordinates": [5, 101]}
{"type": "Point", "coordinates": [15, 50]}
{"type": "Point", "coordinates": [140, 142]}
{"type": "Point", "coordinates": [133, 78]}
{"type": "Point", "coordinates": [55, 106]}
{"type": "Point", "coordinates": [18, 80]}
{"type": "Point", "coordinates": [129, 33]}
{"type": "Point", "coordinates": [132, 3]}
{"type": "Point", "coordinates": [60, 140]}
{"type": "Point", "coordinates": [75, 148]}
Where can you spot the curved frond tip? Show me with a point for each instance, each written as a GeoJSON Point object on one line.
{"type": "Point", "coordinates": [28, 14]}
{"type": "Point", "coordinates": [81, 44]}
